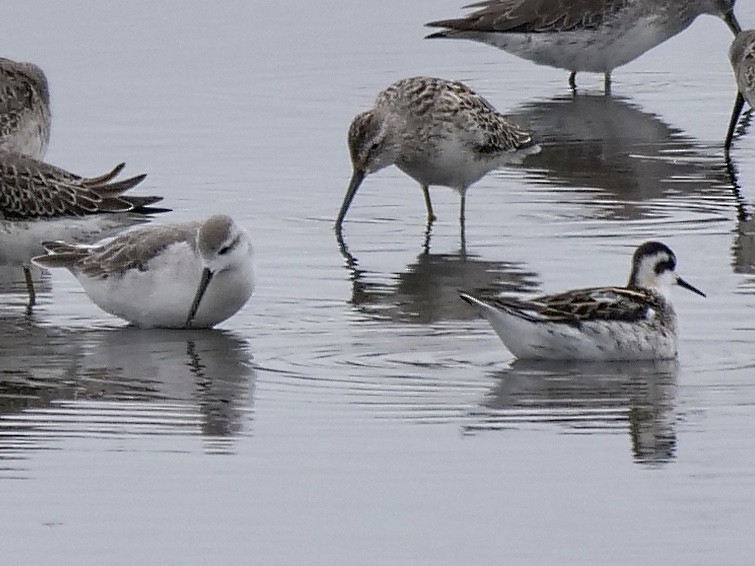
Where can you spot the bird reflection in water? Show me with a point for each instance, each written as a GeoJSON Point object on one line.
{"type": "Point", "coordinates": [741, 127]}
{"type": "Point", "coordinates": [628, 163]}
{"type": "Point", "coordinates": [743, 247]}
{"type": "Point", "coordinates": [588, 398]}
{"type": "Point", "coordinates": [122, 382]}
{"type": "Point", "coordinates": [427, 290]}
{"type": "Point", "coordinates": [211, 370]}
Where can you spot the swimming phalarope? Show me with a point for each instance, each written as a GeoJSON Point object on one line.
{"type": "Point", "coordinates": [581, 35]}
{"type": "Point", "coordinates": [742, 57]}
{"type": "Point", "coordinates": [186, 275]}
{"type": "Point", "coordinates": [636, 322]}
{"type": "Point", "coordinates": [436, 131]}
{"type": "Point", "coordinates": [41, 202]}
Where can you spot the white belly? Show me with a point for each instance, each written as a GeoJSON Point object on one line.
{"type": "Point", "coordinates": [591, 341]}
{"type": "Point", "coordinates": [453, 164]}
{"type": "Point", "coordinates": [597, 51]}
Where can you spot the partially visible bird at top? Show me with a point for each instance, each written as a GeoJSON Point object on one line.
{"type": "Point", "coordinates": [596, 36]}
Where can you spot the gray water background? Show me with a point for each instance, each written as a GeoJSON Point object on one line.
{"type": "Point", "coordinates": [356, 412]}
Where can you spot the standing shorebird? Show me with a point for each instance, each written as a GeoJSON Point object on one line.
{"type": "Point", "coordinates": [636, 322]}
{"type": "Point", "coordinates": [581, 35]}
{"type": "Point", "coordinates": [742, 57]}
{"type": "Point", "coordinates": [24, 109]}
{"type": "Point", "coordinates": [436, 131]}
{"type": "Point", "coordinates": [187, 275]}
{"type": "Point", "coordinates": [41, 202]}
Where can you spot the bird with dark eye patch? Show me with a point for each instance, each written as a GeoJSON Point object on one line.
{"type": "Point", "coordinates": [596, 36]}
{"type": "Point", "coordinates": [41, 202]}
{"type": "Point", "coordinates": [636, 322]}
{"type": "Point", "coordinates": [186, 275]}
{"type": "Point", "coordinates": [436, 131]}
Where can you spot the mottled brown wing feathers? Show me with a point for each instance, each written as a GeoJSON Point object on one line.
{"type": "Point", "coordinates": [489, 132]}
{"type": "Point", "coordinates": [33, 189]}
{"type": "Point", "coordinates": [133, 250]}
{"type": "Point", "coordinates": [576, 307]}
{"type": "Point", "coordinates": [495, 134]}
{"type": "Point", "coordinates": [60, 254]}
{"type": "Point", "coordinates": [530, 16]}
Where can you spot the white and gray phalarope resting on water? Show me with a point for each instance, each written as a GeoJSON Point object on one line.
{"type": "Point", "coordinates": [41, 202]}
{"type": "Point", "coordinates": [636, 322]}
{"type": "Point", "coordinates": [436, 131]}
{"type": "Point", "coordinates": [596, 36]}
{"type": "Point", "coordinates": [186, 275]}
{"type": "Point", "coordinates": [24, 109]}
{"type": "Point", "coordinates": [742, 57]}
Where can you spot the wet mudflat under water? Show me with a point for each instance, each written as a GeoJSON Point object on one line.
{"type": "Point", "coordinates": [356, 411]}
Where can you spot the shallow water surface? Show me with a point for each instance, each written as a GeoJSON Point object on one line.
{"type": "Point", "coordinates": [356, 411]}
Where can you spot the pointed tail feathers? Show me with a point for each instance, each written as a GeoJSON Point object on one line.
{"type": "Point", "coordinates": [60, 254]}
{"type": "Point", "coordinates": [117, 188]}
{"type": "Point", "coordinates": [478, 304]}
{"type": "Point", "coordinates": [498, 306]}
{"type": "Point", "coordinates": [102, 179]}
{"type": "Point", "coordinates": [142, 205]}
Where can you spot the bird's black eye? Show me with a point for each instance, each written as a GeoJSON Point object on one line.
{"type": "Point", "coordinates": [225, 249]}
{"type": "Point", "coordinates": [667, 265]}
{"type": "Point", "coordinates": [374, 147]}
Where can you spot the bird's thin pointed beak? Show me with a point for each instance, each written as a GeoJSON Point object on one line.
{"type": "Point", "coordinates": [204, 282]}
{"type": "Point", "coordinates": [682, 283]}
{"type": "Point", "coordinates": [356, 179]}
{"type": "Point", "coordinates": [731, 21]}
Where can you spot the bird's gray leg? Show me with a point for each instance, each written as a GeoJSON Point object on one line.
{"type": "Point", "coordinates": [607, 83]}
{"type": "Point", "coordinates": [30, 289]}
{"type": "Point", "coordinates": [573, 80]}
{"type": "Point", "coordinates": [462, 221]}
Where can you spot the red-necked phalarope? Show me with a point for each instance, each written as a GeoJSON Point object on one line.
{"type": "Point", "coordinates": [24, 109]}
{"type": "Point", "coordinates": [436, 131]}
{"type": "Point", "coordinates": [636, 322]}
{"type": "Point", "coordinates": [742, 57]}
{"type": "Point", "coordinates": [40, 202]}
{"type": "Point", "coordinates": [188, 275]}
{"type": "Point", "coordinates": [581, 35]}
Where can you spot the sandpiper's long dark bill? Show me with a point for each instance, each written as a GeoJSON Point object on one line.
{"type": "Point", "coordinates": [356, 179]}
{"type": "Point", "coordinates": [436, 131]}
{"type": "Point", "coordinates": [742, 57]}
{"type": "Point", "coordinates": [581, 35]}
{"type": "Point", "coordinates": [636, 322]}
